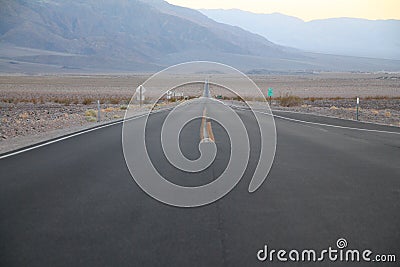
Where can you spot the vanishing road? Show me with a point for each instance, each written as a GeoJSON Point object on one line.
{"type": "Point", "coordinates": [74, 202]}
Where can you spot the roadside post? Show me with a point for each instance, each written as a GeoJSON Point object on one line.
{"type": "Point", "coordinates": [270, 95]}
{"type": "Point", "coordinates": [169, 96]}
{"type": "Point", "coordinates": [98, 110]}
{"type": "Point", "coordinates": [140, 94]}
{"type": "Point", "coordinates": [357, 111]}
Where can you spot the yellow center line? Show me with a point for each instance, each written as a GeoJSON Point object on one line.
{"type": "Point", "coordinates": [210, 131]}
{"type": "Point", "coordinates": [203, 120]}
{"type": "Point", "coordinates": [206, 132]}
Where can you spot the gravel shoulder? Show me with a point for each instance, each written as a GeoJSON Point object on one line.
{"type": "Point", "coordinates": [26, 124]}
{"type": "Point", "coordinates": [382, 111]}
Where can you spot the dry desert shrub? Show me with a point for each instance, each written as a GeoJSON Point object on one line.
{"type": "Point", "coordinates": [87, 101]}
{"type": "Point", "coordinates": [91, 119]}
{"type": "Point", "coordinates": [381, 97]}
{"type": "Point", "coordinates": [336, 98]}
{"type": "Point", "coordinates": [91, 113]}
{"type": "Point", "coordinates": [64, 101]}
{"type": "Point", "coordinates": [290, 101]}
{"type": "Point", "coordinates": [115, 101]}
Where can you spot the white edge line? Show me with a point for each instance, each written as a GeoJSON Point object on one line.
{"type": "Point", "coordinates": [334, 126]}
{"type": "Point", "coordinates": [323, 124]}
{"type": "Point", "coordinates": [76, 134]}
{"type": "Point", "coordinates": [333, 117]}
{"type": "Point", "coordinates": [324, 116]}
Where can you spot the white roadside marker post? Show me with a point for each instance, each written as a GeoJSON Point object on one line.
{"type": "Point", "coordinates": [98, 111]}
{"type": "Point", "coordinates": [141, 97]}
{"type": "Point", "coordinates": [358, 104]}
{"type": "Point", "coordinates": [140, 94]}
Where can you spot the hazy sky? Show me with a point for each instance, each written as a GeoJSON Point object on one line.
{"type": "Point", "coordinates": [306, 9]}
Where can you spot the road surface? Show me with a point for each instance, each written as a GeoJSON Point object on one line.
{"type": "Point", "coordinates": [74, 202]}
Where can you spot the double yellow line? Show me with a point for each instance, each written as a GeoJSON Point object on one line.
{"type": "Point", "coordinates": [206, 132]}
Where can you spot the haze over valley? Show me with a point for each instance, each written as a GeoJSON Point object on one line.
{"type": "Point", "coordinates": [340, 36]}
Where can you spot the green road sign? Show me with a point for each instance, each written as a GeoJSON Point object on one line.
{"type": "Point", "coordinates": [270, 92]}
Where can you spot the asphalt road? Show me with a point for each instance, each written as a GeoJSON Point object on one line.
{"type": "Point", "coordinates": [74, 203]}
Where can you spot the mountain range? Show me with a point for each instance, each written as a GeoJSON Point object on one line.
{"type": "Point", "coordinates": [340, 36]}
{"type": "Point", "coordinates": [138, 35]}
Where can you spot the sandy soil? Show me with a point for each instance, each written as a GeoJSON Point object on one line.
{"type": "Point", "coordinates": [331, 85]}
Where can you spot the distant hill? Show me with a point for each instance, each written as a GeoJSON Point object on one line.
{"type": "Point", "coordinates": [138, 35]}
{"type": "Point", "coordinates": [340, 36]}
{"type": "Point", "coordinates": [121, 34]}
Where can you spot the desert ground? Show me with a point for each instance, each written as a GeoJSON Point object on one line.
{"type": "Point", "coordinates": [37, 108]}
